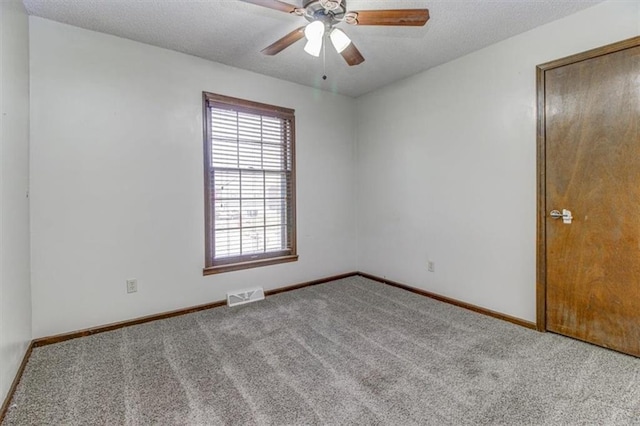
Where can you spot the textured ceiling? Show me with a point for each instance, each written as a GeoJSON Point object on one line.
{"type": "Point", "coordinates": [233, 33]}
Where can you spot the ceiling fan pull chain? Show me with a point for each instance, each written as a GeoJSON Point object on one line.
{"type": "Point", "coordinates": [324, 58]}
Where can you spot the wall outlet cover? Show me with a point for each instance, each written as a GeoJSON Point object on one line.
{"type": "Point", "coordinates": [132, 286]}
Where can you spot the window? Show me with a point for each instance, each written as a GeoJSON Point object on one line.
{"type": "Point", "coordinates": [249, 172]}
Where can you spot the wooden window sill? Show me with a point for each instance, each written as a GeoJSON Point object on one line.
{"type": "Point", "coordinates": [249, 264]}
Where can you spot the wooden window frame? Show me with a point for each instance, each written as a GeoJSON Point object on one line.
{"type": "Point", "coordinates": [262, 259]}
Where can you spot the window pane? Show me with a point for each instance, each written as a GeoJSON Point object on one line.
{"type": "Point", "coordinates": [252, 213]}
{"type": "Point", "coordinates": [224, 153]}
{"type": "Point", "coordinates": [275, 240]}
{"type": "Point", "coordinates": [227, 214]}
{"type": "Point", "coordinates": [249, 127]}
{"type": "Point", "coordinates": [252, 185]}
{"type": "Point", "coordinates": [276, 212]}
{"type": "Point", "coordinates": [272, 130]}
{"type": "Point", "coordinates": [275, 185]}
{"type": "Point", "coordinates": [253, 241]}
{"type": "Point", "coordinates": [226, 184]}
{"type": "Point", "coordinates": [227, 243]}
{"type": "Point", "coordinates": [250, 155]}
{"type": "Point", "coordinates": [273, 156]}
{"type": "Point", "coordinates": [224, 124]}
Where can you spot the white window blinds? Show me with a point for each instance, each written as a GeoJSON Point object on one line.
{"type": "Point", "coordinates": [250, 183]}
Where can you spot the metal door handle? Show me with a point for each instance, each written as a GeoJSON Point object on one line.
{"type": "Point", "coordinates": [565, 215]}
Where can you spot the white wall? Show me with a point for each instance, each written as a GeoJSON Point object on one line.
{"type": "Point", "coordinates": [447, 165]}
{"type": "Point", "coordinates": [117, 179]}
{"type": "Point", "coordinates": [445, 170]}
{"type": "Point", "coordinates": [15, 293]}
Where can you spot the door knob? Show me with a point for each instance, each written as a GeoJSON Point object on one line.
{"type": "Point", "coordinates": [565, 215]}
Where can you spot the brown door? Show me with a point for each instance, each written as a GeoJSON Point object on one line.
{"type": "Point", "coordinates": [591, 168]}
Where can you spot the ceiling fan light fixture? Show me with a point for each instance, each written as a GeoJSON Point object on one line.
{"type": "Point", "coordinates": [314, 31]}
{"type": "Point", "coordinates": [313, 47]}
{"type": "Point", "coordinates": [339, 39]}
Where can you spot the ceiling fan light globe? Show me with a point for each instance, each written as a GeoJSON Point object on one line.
{"type": "Point", "coordinates": [313, 47]}
{"type": "Point", "coordinates": [314, 31]}
{"type": "Point", "coordinates": [339, 39]}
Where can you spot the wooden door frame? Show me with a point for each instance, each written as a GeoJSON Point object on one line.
{"type": "Point", "coordinates": [541, 243]}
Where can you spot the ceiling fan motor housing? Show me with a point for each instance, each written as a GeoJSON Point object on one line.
{"type": "Point", "coordinates": [328, 11]}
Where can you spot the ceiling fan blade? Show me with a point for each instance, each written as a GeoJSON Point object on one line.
{"type": "Point", "coordinates": [273, 4]}
{"type": "Point", "coordinates": [284, 42]}
{"type": "Point", "coordinates": [402, 17]}
{"type": "Point", "coordinates": [352, 55]}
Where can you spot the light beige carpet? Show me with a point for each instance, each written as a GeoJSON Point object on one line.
{"type": "Point", "coordinates": [352, 351]}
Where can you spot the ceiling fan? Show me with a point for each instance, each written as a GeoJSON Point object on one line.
{"type": "Point", "coordinates": [324, 15]}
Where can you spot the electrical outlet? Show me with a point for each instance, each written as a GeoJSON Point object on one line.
{"type": "Point", "coordinates": [132, 286]}
{"type": "Point", "coordinates": [431, 266]}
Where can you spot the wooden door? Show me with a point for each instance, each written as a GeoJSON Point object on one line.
{"type": "Point", "coordinates": [590, 136]}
